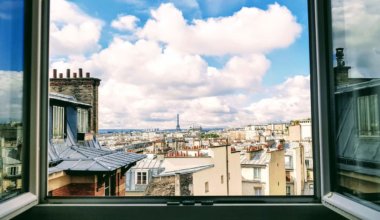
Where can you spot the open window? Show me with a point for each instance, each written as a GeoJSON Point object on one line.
{"type": "Point", "coordinates": [350, 83]}
{"type": "Point", "coordinates": [20, 116]}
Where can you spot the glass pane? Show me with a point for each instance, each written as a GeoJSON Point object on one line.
{"type": "Point", "coordinates": [207, 97]}
{"type": "Point", "coordinates": [356, 45]}
{"type": "Point", "coordinates": [11, 97]}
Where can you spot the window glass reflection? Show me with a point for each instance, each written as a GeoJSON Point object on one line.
{"type": "Point", "coordinates": [357, 88]}
{"type": "Point", "coordinates": [11, 76]}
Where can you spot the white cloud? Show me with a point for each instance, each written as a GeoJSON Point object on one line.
{"type": "Point", "coordinates": [125, 23]}
{"type": "Point", "coordinates": [11, 96]}
{"type": "Point", "coordinates": [289, 100]}
{"type": "Point", "coordinates": [72, 31]}
{"type": "Point", "coordinates": [356, 28]}
{"type": "Point", "coordinates": [145, 83]}
{"type": "Point", "coordinates": [247, 31]}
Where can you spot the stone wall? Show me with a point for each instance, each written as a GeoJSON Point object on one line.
{"type": "Point", "coordinates": [83, 88]}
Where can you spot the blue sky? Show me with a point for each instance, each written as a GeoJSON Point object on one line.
{"type": "Point", "coordinates": [11, 37]}
{"type": "Point", "coordinates": [297, 54]}
{"type": "Point", "coordinates": [215, 62]}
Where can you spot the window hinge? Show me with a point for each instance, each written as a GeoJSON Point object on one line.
{"type": "Point", "coordinates": [207, 202]}
{"type": "Point", "coordinates": [173, 203]}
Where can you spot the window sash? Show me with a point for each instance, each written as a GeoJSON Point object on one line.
{"type": "Point", "coordinates": [368, 115]}
{"type": "Point", "coordinates": [58, 122]}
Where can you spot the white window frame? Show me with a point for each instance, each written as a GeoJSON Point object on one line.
{"type": "Point", "coordinates": [366, 99]}
{"type": "Point", "coordinates": [137, 180]}
{"type": "Point", "coordinates": [258, 191]}
{"type": "Point", "coordinates": [82, 120]}
{"type": "Point", "coordinates": [257, 173]}
{"type": "Point", "coordinates": [58, 121]}
{"type": "Point", "coordinates": [18, 204]}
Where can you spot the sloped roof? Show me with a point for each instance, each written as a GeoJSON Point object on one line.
{"type": "Point", "coordinates": [259, 158]}
{"type": "Point", "coordinates": [67, 98]}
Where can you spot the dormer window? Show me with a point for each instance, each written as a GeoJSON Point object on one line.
{"type": "Point", "coordinates": [368, 115]}
{"type": "Point", "coordinates": [58, 122]}
{"type": "Point", "coordinates": [82, 120]}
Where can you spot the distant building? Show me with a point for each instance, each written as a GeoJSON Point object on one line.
{"type": "Point", "coordinates": [140, 175]}
{"type": "Point", "coordinates": [10, 159]}
{"type": "Point", "coordinates": [216, 174]}
{"type": "Point", "coordinates": [300, 130]}
{"type": "Point", "coordinates": [263, 171]}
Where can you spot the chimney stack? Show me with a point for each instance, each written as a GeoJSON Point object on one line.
{"type": "Point", "coordinates": [61, 75]}
{"type": "Point", "coordinates": [68, 73]}
{"type": "Point", "coordinates": [80, 73]}
{"type": "Point", "coordinates": [75, 75]}
{"type": "Point", "coordinates": [54, 73]}
{"type": "Point", "coordinates": [87, 75]}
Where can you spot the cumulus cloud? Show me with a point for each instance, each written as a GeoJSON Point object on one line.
{"type": "Point", "coordinates": [147, 81]}
{"type": "Point", "coordinates": [356, 28]}
{"type": "Point", "coordinates": [125, 23]}
{"type": "Point", "coordinates": [289, 100]}
{"type": "Point", "coordinates": [11, 96]}
{"type": "Point", "coordinates": [218, 36]}
{"type": "Point", "coordinates": [72, 31]}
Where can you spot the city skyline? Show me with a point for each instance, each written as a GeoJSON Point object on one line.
{"type": "Point", "coordinates": [167, 57]}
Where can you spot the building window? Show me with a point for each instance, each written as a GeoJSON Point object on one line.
{"type": "Point", "coordinates": [107, 188]}
{"type": "Point", "coordinates": [206, 187]}
{"type": "Point", "coordinates": [307, 163]}
{"type": "Point", "coordinates": [288, 162]}
{"type": "Point", "coordinates": [288, 191]}
{"type": "Point", "coordinates": [58, 122]}
{"type": "Point", "coordinates": [82, 120]}
{"type": "Point", "coordinates": [368, 115]}
{"type": "Point", "coordinates": [13, 171]}
{"type": "Point", "coordinates": [221, 179]}
{"type": "Point", "coordinates": [258, 191]}
{"type": "Point", "coordinates": [141, 178]}
{"type": "Point", "coordinates": [256, 173]}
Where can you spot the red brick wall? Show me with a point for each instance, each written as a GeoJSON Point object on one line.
{"type": "Point", "coordinates": [76, 189]}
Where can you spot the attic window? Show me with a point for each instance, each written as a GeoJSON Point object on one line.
{"type": "Point", "coordinates": [368, 115]}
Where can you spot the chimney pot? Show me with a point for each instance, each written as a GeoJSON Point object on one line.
{"type": "Point", "coordinates": [88, 75]}
{"type": "Point", "coordinates": [80, 73]}
{"type": "Point", "coordinates": [54, 73]}
{"type": "Point", "coordinates": [61, 75]}
{"type": "Point", "coordinates": [75, 75]}
{"type": "Point", "coordinates": [68, 73]}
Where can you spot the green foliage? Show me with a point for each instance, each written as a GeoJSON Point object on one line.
{"type": "Point", "coordinates": [209, 135]}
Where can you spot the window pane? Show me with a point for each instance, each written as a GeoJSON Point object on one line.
{"type": "Point", "coordinates": [357, 88]}
{"type": "Point", "coordinates": [11, 97]}
{"type": "Point", "coordinates": [198, 93]}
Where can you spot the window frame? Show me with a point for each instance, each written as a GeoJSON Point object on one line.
{"type": "Point", "coordinates": [33, 98]}
{"type": "Point", "coordinates": [320, 64]}
{"type": "Point", "coordinates": [141, 179]}
{"type": "Point", "coordinates": [323, 95]}
{"type": "Point", "coordinates": [164, 200]}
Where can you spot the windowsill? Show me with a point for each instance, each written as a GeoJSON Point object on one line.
{"type": "Point", "coordinates": [12, 207]}
{"type": "Point", "coordinates": [348, 208]}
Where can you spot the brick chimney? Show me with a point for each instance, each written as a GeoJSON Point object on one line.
{"type": "Point", "coordinates": [83, 89]}
{"type": "Point", "coordinates": [341, 70]}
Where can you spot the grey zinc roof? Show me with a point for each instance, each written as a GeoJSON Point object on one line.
{"type": "Point", "coordinates": [260, 158]}
{"type": "Point", "coordinates": [67, 98]}
{"type": "Point", "coordinates": [186, 171]}
{"type": "Point", "coordinates": [148, 164]}
{"type": "Point", "coordinates": [76, 158]}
